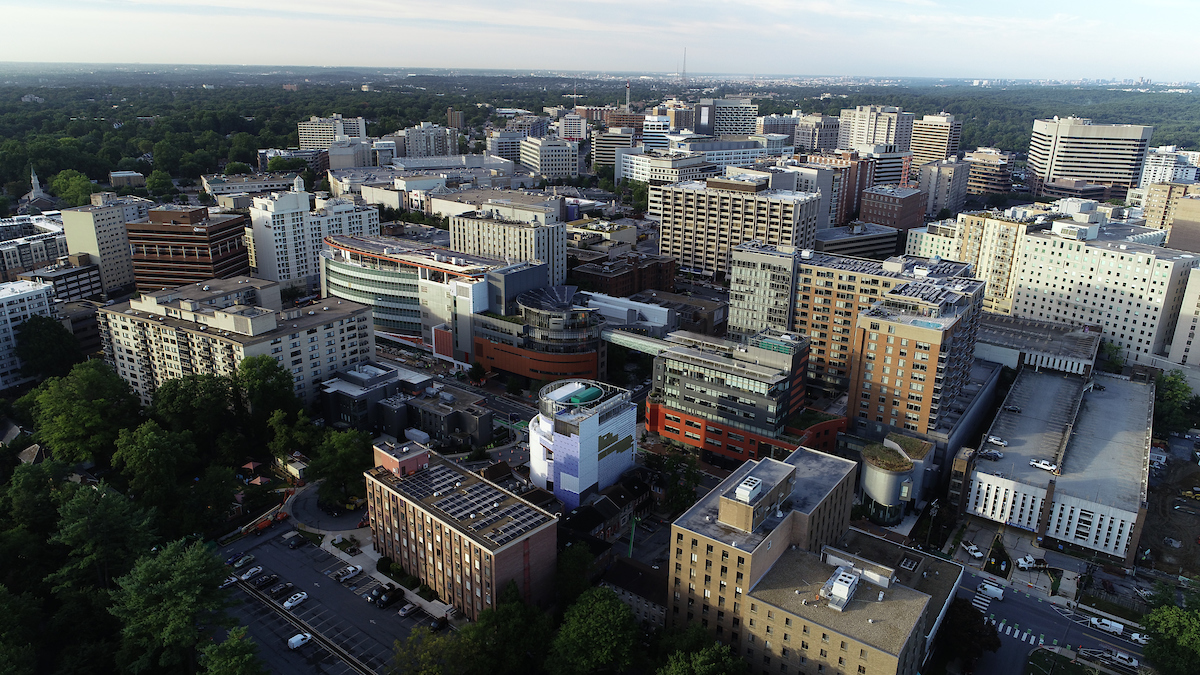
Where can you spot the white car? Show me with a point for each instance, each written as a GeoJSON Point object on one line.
{"type": "Point", "coordinates": [1044, 464]}
{"type": "Point", "coordinates": [251, 573]}
{"type": "Point", "coordinates": [299, 640]}
{"type": "Point", "coordinates": [1140, 638]}
{"type": "Point", "coordinates": [972, 550]}
{"type": "Point", "coordinates": [229, 581]}
{"type": "Point", "coordinates": [295, 600]}
{"type": "Point", "coordinates": [996, 440]}
{"type": "Point", "coordinates": [408, 609]}
{"type": "Point", "coordinates": [347, 573]}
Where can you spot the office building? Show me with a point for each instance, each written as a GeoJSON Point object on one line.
{"type": "Point", "coordinates": [180, 245]}
{"type": "Point", "coordinates": [833, 290]}
{"type": "Point", "coordinates": [817, 133]}
{"type": "Point", "coordinates": [707, 317]}
{"type": "Point", "coordinates": [582, 439]}
{"type": "Point", "coordinates": [779, 124]}
{"type": "Point", "coordinates": [743, 151]}
{"type": "Point", "coordinates": [217, 184]}
{"type": "Point", "coordinates": [819, 179]}
{"type": "Point", "coordinates": [455, 418]}
{"type": "Point", "coordinates": [130, 179]}
{"type": "Point", "coordinates": [661, 167]}
{"type": "Point", "coordinates": [654, 132]}
{"type": "Point", "coordinates": [875, 125]}
{"type": "Point", "coordinates": [725, 116]}
{"type": "Point", "coordinates": [1189, 317]}
{"type": "Point", "coordinates": [1111, 155]}
{"type": "Point", "coordinates": [317, 160]}
{"type": "Point", "coordinates": [1183, 228]}
{"type": "Point", "coordinates": [703, 221]}
{"type": "Point", "coordinates": [900, 207]}
{"type": "Point", "coordinates": [931, 323]}
{"type": "Point", "coordinates": [454, 119]}
{"type": "Point", "coordinates": [730, 400]}
{"type": "Point", "coordinates": [550, 157]}
{"type": "Point", "coordinates": [533, 126]}
{"type": "Point", "coordinates": [553, 335]}
{"type": "Point", "coordinates": [318, 133]}
{"type": "Point", "coordinates": [427, 140]}
{"type": "Point", "coordinates": [1074, 472]}
{"type": "Point", "coordinates": [459, 533]}
{"type": "Point", "coordinates": [861, 240]}
{"type": "Point", "coordinates": [858, 174]}
{"type": "Point", "coordinates": [625, 275]}
{"type": "Point", "coordinates": [494, 235]}
{"type": "Point", "coordinates": [991, 171]}
{"type": "Point", "coordinates": [1165, 164]}
{"type": "Point", "coordinates": [209, 328]}
{"type": "Point", "coordinates": [892, 165]}
{"type": "Point", "coordinates": [604, 145]}
{"type": "Point", "coordinates": [935, 138]}
{"type": "Point", "coordinates": [99, 231]}
{"type": "Point", "coordinates": [22, 299]}
{"type": "Point", "coordinates": [74, 277]}
{"type": "Point", "coordinates": [682, 117]}
{"type": "Point", "coordinates": [762, 288]}
{"type": "Point", "coordinates": [571, 128]}
{"type": "Point", "coordinates": [945, 186]}
{"type": "Point", "coordinates": [505, 143]}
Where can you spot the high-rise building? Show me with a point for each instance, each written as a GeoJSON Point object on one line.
{"type": "Point", "coordinates": [986, 240]}
{"type": "Point", "coordinates": [875, 125]}
{"type": "Point", "coordinates": [682, 117]}
{"type": "Point", "coordinates": [991, 171]}
{"type": "Point", "coordinates": [550, 157]}
{"type": "Point", "coordinates": [460, 534]}
{"type": "Point", "coordinates": [318, 133]}
{"type": "Point", "coordinates": [500, 237]}
{"type": "Point", "coordinates": [701, 222]}
{"type": "Point", "coordinates": [762, 288]}
{"type": "Point", "coordinates": [28, 242]}
{"type": "Point", "coordinates": [725, 116]}
{"type": "Point", "coordinates": [428, 140]}
{"type": "Point", "coordinates": [944, 183]}
{"type": "Point", "coordinates": [858, 174]}
{"type": "Point", "coordinates": [822, 179]}
{"type": "Point", "coordinates": [654, 132]}
{"type": "Point", "coordinates": [661, 167]}
{"type": "Point", "coordinates": [912, 351]}
{"type": "Point", "coordinates": [1133, 291]}
{"type": "Point", "coordinates": [454, 118]}
{"type": "Point", "coordinates": [935, 138]}
{"type": "Point", "coordinates": [21, 300]}
{"type": "Point", "coordinates": [285, 237]}
{"type": "Point", "coordinates": [74, 277]}
{"type": "Point", "coordinates": [533, 126]}
{"type": "Point", "coordinates": [778, 124]}
{"type": "Point", "coordinates": [99, 231]}
{"type": "Point", "coordinates": [817, 133]}
{"type": "Point", "coordinates": [730, 400]}
{"type": "Point", "coordinates": [582, 439]}
{"type": "Point", "coordinates": [571, 127]}
{"type": "Point", "coordinates": [180, 245]}
{"type": "Point", "coordinates": [900, 207]}
{"type": "Point", "coordinates": [1165, 164]}
{"type": "Point", "coordinates": [1111, 155]}
{"type": "Point", "coordinates": [1161, 201]}
{"type": "Point", "coordinates": [938, 239]}
{"type": "Point", "coordinates": [604, 145]}
{"type": "Point", "coordinates": [892, 165]}
{"type": "Point", "coordinates": [210, 328]}
{"type": "Point", "coordinates": [505, 143]}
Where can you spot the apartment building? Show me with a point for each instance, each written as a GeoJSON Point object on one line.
{"type": "Point", "coordinates": [730, 400]}
{"type": "Point", "coordinates": [935, 138]}
{"type": "Point", "coordinates": [944, 183]}
{"type": "Point", "coordinates": [858, 174]}
{"type": "Point", "coordinates": [209, 328]}
{"type": "Point", "coordinates": [21, 300]}
{"type": "Point", "coordinates": [1162, 199]}
{"type": "Point", "coordinates": [762, 288]}
{"type": "Point", "coordinates": [900, 207]}
{"type": "Point", "coordinates": [285, 238]}
{"type": "Point", "coordinates": [454, 118]}
{"type": "Point", "coordinates": [1189, 318]}
{"type": "Point", "coordinates": [318, 133]}
{"type": "Point", "coordinates": [494, 235]}
{"type": "Point", "coordinates": [913, 350]}
{"type": "Point", "coordinates": [986, 240]}
{"type": "Point", "coordinates": [778, 124]}
{"type": "Point", "coordinates": [505, 143]}
{"type": "Point", "coordinates": [938, 239]}
{"type": "Point", "coordinates": [582, 439]}
{"type": "Point", "coordinates": [739, 151]}
{"type": "Point", "coordinates": [428, 140]}
{"type": "Point", "coordinates": [459, 533]}
{"type": "Point", "coordinates": [893, 165]}
{"type": "Point", "coordinates": [1165, 164]}
{"type": "Point", "coordinates": [796, 176]}
{"type": "Point", "coordinates": [27, 242]}
{"type": "Point", "coordinates": [875, 125]}
{"type": "Point", "coordinates": [550, 157]}
{"type": "Point", "coordinates": [1073, 148]}
{"type": "Point", "coordinates": [180, 245]}
{"type": "Point", "coordinates": [817, 133]}
{"type": "Point", "coordinates": [1133, 291]}
{"type": "Point", "coordinates": [99, 231]}
{"type": "Point", "coordinates": [833, 290]}
{"type": "Point", "coordinates": [725, 116]}
{"type": "Point", "coordinates": [661, 167]}
{"type": "Point", "coordinates": [703, 221]}
{"type": "Point", "coordinates": [991, 171]}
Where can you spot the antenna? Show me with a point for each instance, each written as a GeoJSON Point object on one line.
{"type": "Point", "coordinates": [627, 96]}
{"type": "Point", "coordinates": [684, 69]}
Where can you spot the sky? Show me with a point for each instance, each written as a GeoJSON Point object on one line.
{"type": "Point", "coordinates": [1017, 39]}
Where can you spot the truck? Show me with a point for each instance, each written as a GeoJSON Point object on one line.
{"type": "Point", "coordinates": [1106, 625]}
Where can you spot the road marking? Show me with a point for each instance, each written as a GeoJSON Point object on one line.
{"type": "Point", "coordinates": [1008, 631]}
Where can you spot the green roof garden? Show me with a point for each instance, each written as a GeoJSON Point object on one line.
{"type": "Point", "coordinates": [885, 458]}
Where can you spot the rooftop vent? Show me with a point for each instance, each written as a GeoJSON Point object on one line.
{"type": "Point", "coordinates": [748, 489]}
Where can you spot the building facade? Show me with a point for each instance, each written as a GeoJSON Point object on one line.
{"type": "Point", "coordinates": [725, 116]}
{"type": "Point", "coordinates": [661, 167]}
{"type": "Point", "coordinates": [935, 138]}
{"type": "Point", "coordinates": [1165, 165]}
{"type": "Point", "coordinates": [485, 233]}
{"type": "Point", "coordinates": [875, 125]}
{"type": "Point", "coordinates": [762, 288]}
{"type": "Point", "coordinates": [318, 133]}
{"type": "Point", "coordinates": [74, 277]}
{"type": "Point", "coordinates": [817, 133]}
{"type": "Point", "coordinates": [1112, 155]}
{"type": "Point", "coordinates": [944, 183]}
{"type": "Point", "coordinates": [991, 171]}
{"type": "Point", "coordinates": [550, 157]}
{"type": "Point", "coordinates": [900, 207]}
{"type": "Point", "coordinates": [180, 245]}
{"type": "Point", "coordinates": [22, 299]}
{"type": "Point", "coordinates": [99, 231]}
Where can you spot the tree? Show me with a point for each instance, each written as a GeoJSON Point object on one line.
{"type": "Point", "coordinates": [199, 403]}
{"type": "Point", "coordinates": [152, 460]}
{"type": "Point", "coordinates": [301, 436]}
{"type": "Point", "coordinates": [598, 634]}
{"type": "Point", "coordinates": [46, 348]}
{"type": "Point", "coordinates": [1171, 398]}
{"type": "Point", "coordinates": [18, 621]}
{"type": "Point", "coordinates": [286, 164]}
{"type": "Point", "coordinates": [341, 460]}
{"type": "Point", "coordinates": [263, 386]}
{"type": "Point", "coordinates": [1174, 646]}
{"type": "Point", "coordinates": [477, 372]}
{"type": "Point", "coordinates": [236, 655]}
{"type": "Point", "coordinates": [571, 576]}
{"type": "Point", "coordinates": [965, 635]}
{"type": "Point", "coordinates": [944, 214]}
{"type": "Point", "coordinates": [512, 384]}
{"type": "Point", "coordinates": [79, 416]}
{"type": "Point", "coordinates": [104, 534]}
{"type": "Point", "coordinates": [72, 187]}
{"type": "Point", "coordinates": [159, 183]}
{"type": "Point", "coordinates": [429, 653]}
{"type": "Point", "coordinates": [237, 169]}
{"type": "Point", "coordinates": [164, 604]}
{"type": "Point", "coordinates": [714, 659]}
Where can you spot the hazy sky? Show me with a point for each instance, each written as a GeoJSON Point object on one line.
{"type": "Point", "coordinates": [951, 38]}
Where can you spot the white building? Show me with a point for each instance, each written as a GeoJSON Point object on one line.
{"type": "Point", "coordinates": [937, 239]}
{"type": "Point", "coordinates": [506, 144]}
{"type": "Point", "coordinates": [318, 133]}
{"type": "Point", "coordinates": [654, 132]}
{"type": "Point", "coordinates": [99, 231]}
{"type": "Point", "coordinates": [429, 140]}
{"type": "Point", "coordinates": [945, 184]}
{"type": "Point", "coordinates": [550, 157]}
{"type": "Point", "coordinates": [22, 299]}
{"type": "Point", "coordinates": [582, 439]}
{"type": "Point", "coordinates": [875, 125]}
{"type": "Point", "coordinates": [1112, 155]}
{"type": "Point", "coordinates": [661, 167]}
{"type": "Point", "coordinates": [891, 163]}
{"type": "Point", "coordinates": [571, 127]}
{"type": "Point", "coordinates": [285, 236]}
{"type": "Point", "coordinates": [494, 232]}
{"type": "Point", "coordinates": [1165, 164]}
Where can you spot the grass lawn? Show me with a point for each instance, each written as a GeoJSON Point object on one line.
{"type": "Point", "coordinates": [1041, 662]}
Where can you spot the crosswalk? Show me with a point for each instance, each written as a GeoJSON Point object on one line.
{"type": "Point", "coordinates": [981, 602]}
{"type": "Point", "coordinates": [1014, 631]}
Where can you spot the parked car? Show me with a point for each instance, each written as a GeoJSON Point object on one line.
{"type": "Point", "coordinates": [1013, 408]}
{"type": "Point", "coordinates": [295, 600]}
{"type": "Point", "coordinates": [296, 542]}
{"type": "Point", "coordinates": [407, 609]}
{"type": "Point", "coordinates": [378, 591]}
{"type": "Point", "coordinates": [229, 581]}
{"type": "Point", "coordinates": [281, 590]}
{"type": "Point", "coordinates": [347, 573]}
{"type": "Point", "coordinates": [299, 640]}
{"type": "Point", "coordinates": [996, 440]}
{"type": "Point", "coordinates": [1026, 563]}
{"type": "Point", "coordinates": [1140, 638]}
{"type": "Point", "coordinates": [243, 561]}
{"type": "Point", "coordinates": [251, 573]}
{"type": "Point", "coordinates": [266, 580]}
{"type": "Point", "coordinates": [1106, 625]}
{"type": "Point", "coordinates": [438, 623]}
{"type": "Point", "coordinates": [972, 550]}
{"type": "Point", "coordinates": [234, 558]}
{"type": "Point", "coordinates": [1043, 464]}
{"type": "Point", "coordinates": [390, 598]}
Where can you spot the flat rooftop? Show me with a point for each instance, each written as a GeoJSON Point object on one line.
{"type": "Point", "coordinates": [921, 581]}
{"type": "Point", "coordinates": [897, 267]}
{"type": "Point", "coordinates": [1043, 337]}
{"type": "Point", "coordinates": [854, 231]}
{"type": "Point", "coordinates": [1124, 247]}
{"type": "Point", "coordinates": [415, 253]}
{"type": "Point", "coordinates": [981, 373]}
{"type": "Point", "coordinates": [816, 475]}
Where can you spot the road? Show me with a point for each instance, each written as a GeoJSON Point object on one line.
{"type": "Point", "coordinates": [1025, 621]}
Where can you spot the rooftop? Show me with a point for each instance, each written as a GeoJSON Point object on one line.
{"type": "Point", "coordinates": [639, 579]}
{"type": "Point", "coordinates": [12, 289]}
{"type": "Point", "coordinates": [892, 190]}
{"type": "Point", "coordinates": [855, 229]}
{"type": "Point", "coordinates": [417, 254]}
{"type": "Point", "coordinates": [777, 195]}
{"type": "Point", "coordinates": [897, 267]}
{"type": "Point", "coordinates": [552, 299]}
{"type": "Point", "coordinates": [1030, 335]}
{"type": "Point", "coordinates": [675, 301]}
{"type": "Point", "coordinates": [217, 179]}
{"type": "Point", "coordinates": [1123, 246]}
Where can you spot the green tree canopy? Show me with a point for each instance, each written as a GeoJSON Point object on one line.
{"type": "Point", "coordinates": [508, 640]}
{"type": "Point", "coordinates": [104, 534]}
{"type": "Point", "coordinates": [235, 655]}
{"type": "Point", "coordinates": [263, 386]}
{"type": "Point", "coordinates": [1171, 398]}
{"type": "Point", "coordinates": [159, 183]}
{"type": "Point", "coordinates": [164, 604]}
{"type": "Point", "coordinates": [598, 634]}
{"type": "Point", "coordinates": [18, 621]}
{"type": "Point", "coordinates": [341, 460]}
{"type": "Point", "coordinates": [965, 635]}
{"type": "Point", "coordinates": [152, 459]}
{"type": "Point", "coordinates": [199, 403]}
{"type": "Point", "coordinates": [73, 187]}
{"type": "Point", "coordinates": [46, 348]}
{"type": "Point", "coordinates": [477, 371]}
{"type": "Point", "coordinates": [237, 169]}
{"type": "Point", "coordinates": [713, 659]}
{"type": "Point", "coordinates": [286, 164]}
{"type": "Point", "coordinates": [429, 653]}
{"type": "Point", "coordinates": [1174, 646]}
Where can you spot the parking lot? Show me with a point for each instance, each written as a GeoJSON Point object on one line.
{"type": "Point", "coordinates": [338, 611]}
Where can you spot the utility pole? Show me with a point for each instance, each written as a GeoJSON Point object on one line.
{"type": "Point", "coordinates": [633, 523]}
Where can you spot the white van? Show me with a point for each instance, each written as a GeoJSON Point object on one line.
{"type": "Point", "coordinates": [990, 590]}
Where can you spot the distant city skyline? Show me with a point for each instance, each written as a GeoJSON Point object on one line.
{"type": "Point", "coordinates": [1020, 39]}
